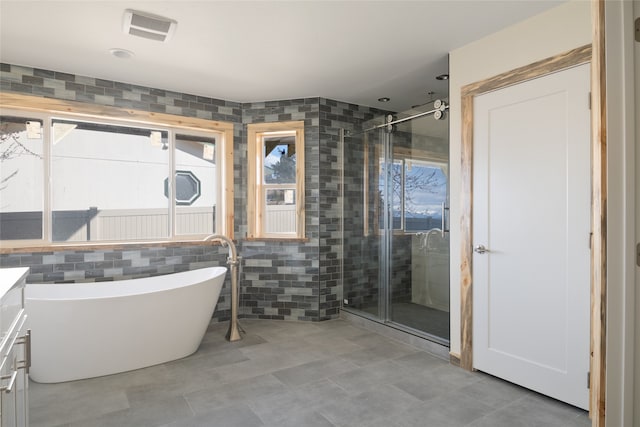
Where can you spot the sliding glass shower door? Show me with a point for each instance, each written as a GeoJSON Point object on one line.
{"type": "Point", "coordinates": [396, 246]}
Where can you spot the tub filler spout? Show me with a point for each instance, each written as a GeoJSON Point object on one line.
{"type": "Point", "coordinates": [233, 334]}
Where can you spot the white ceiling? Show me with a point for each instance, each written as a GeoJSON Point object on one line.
{"type": "Point", "coordinates": [354, 51]}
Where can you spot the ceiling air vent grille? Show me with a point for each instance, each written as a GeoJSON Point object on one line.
{"type": "Point", "coordinates": [148, 26]}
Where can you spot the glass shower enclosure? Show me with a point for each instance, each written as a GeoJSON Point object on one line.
{"type": "Point", "coordinates": [395, 237]}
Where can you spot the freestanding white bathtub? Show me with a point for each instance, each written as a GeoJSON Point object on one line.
{"type": "Point", "coordinates": [93, 329]}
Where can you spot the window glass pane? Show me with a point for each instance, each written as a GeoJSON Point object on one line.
{"type": "Point", "coordinates": [425, 189]}
{"type": "Point", "coordinates": [280, 210]}
{"type": "Point", "coordinates": [196, 185]}
{"type": "Point", "coordinates": [107, 182]}
{"type": "Point", "coordinates": [21, 178]}
{"type": "Point", "coordinates": [395, 187]}
{"type": "Point", "coordinates": [280, 159]}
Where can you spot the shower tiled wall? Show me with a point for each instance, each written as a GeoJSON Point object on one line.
{"type": "Point", "coordinates": [362, 241]}
{"type": "Point", "coordinates": [335, 115]}
{"type": "Point", "coordinates": [289, 280]}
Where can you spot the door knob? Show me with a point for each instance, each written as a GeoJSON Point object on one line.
{"type": "Point", "coordinates": [480, 249]}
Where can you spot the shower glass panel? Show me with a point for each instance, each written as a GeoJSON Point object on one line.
{"type": "Point", "coordinates": [362, 216]}
{"type": "Point", "coordinates": [396, 245]}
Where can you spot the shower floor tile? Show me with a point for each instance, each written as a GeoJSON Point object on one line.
{"type": "Point", "coordinates": [294, 374]}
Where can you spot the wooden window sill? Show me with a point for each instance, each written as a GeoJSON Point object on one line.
{"type": "Point", "coordinates": [106, 246]}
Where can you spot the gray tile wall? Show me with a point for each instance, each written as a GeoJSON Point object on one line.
{"type": "Point", "coordinates": [54, 84]}
{"type": "Point", "coordinates": [361, 250]}
{"type": "Point", "coordinates": [279, 280]}
{"type": "Point", "coordinates": [120, 264]}
{"type": "Point", "coordinates": [335, 115]}
{"type": "Point", "coordinates": [80, 266]}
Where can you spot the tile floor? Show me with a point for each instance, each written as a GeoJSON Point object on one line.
{"type": "Point", "coordinates": [298, 374]}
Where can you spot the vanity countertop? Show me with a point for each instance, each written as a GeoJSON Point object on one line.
{"type": "Point", "coordinates": [9, 277]}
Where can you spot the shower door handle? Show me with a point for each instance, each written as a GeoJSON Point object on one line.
{"type": "Point", "coordinates": [480, 249]}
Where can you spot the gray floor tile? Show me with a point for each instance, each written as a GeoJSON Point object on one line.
{"type": "Point", "coordinates": [220, 395]}
{"type": "Point", "coordinates": [231, 416]}
{"type": "Point", "coordinates": [494, 392]}
{"type": "Point", "coordinates": [293, 409]}
{"type": "Point", "coordinates": [275, 408]}
{"type": "Point", "coordinates": [429, 384]}
{"type": "Point", "coordinates": [321, 393]}
{"type": "Point", "coordinates": [264, 365]}
{"type": "Point", "coordinates": [534, 411]}
{"type": "Point", "coordinates": [420, 361]}
{"type": "Point", "coordinates": [313, 371]}
{"type": "Point", "coordinates": [388, 349]}
{"type": "Point", "coordinates": [304, 419]}
{"type": "Point", "coordinates": [71, 404]}
{"type": "Point", "coordinates": [372, 376]}
{"type": "Point", "coordinates": [328, 374]}
{"type": "Point", "coordinates": [157, 412]}
{"type": "Point", "coordinates": [367, 406]}
{"type": "Point", "coordinates": [448, 410]}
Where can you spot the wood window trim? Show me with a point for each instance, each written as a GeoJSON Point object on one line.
{"type": "Point", "coordinates": [125, 246]}
{"type": "Point", "coordinates": [38, 105]}
{"type": "Point", "coordinates": [581, 55]}
{"type": "Point", "coordinates": [254, 187]}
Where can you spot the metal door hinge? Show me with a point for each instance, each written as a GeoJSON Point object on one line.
{"type": "Point", "coordinates": [638, 29]}
{"type": "Point", "coordinates": [588, 379]}
{"type": "Point", "coordinates": [638, 254]}
{"type": "Point", "coordinates": [589, 100]}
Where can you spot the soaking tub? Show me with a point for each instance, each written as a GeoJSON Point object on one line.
{"type": "Point", "coordinates": [88, 330]}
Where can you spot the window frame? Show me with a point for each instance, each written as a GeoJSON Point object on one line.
{"type": "Point", "coordinates": [48, 110]}
{"type": "Point", "coordinates": [402, 163]}
{"type": "Point", "coordinates": [256, 188]}
{"type": "Point", "coordinates": [400, 155]}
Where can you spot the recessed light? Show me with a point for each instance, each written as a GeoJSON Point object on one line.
{"type": "Point", "coordinates": [442, 77]}
{"type": "Point", "coordinates": [121, 53]}
{"type": "Point", "coordinates": [384, 99]}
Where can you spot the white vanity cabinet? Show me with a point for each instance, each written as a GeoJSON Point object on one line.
{"type": "Point", "coordinates": [15, 345]}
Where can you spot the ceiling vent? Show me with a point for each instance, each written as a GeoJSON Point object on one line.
{"type": "Point", "coordinates": [148, 26]}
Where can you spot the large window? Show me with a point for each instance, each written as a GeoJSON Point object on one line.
{"type": "Point", "coordinates": [77, 179]}
{"type": "Point", "coordinates": [22, 171]}
{"type": "Point", "coordinates": [276, 180]}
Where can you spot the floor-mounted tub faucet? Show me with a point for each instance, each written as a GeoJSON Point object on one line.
{"type": "Point", "coordinates": [233, 260]}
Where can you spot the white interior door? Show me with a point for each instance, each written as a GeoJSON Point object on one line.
{"type": "Point", "coordinates": [531, 210]}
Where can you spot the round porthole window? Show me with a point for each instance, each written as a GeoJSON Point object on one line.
{"type": "Point", "coordinates": [187, 188]}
